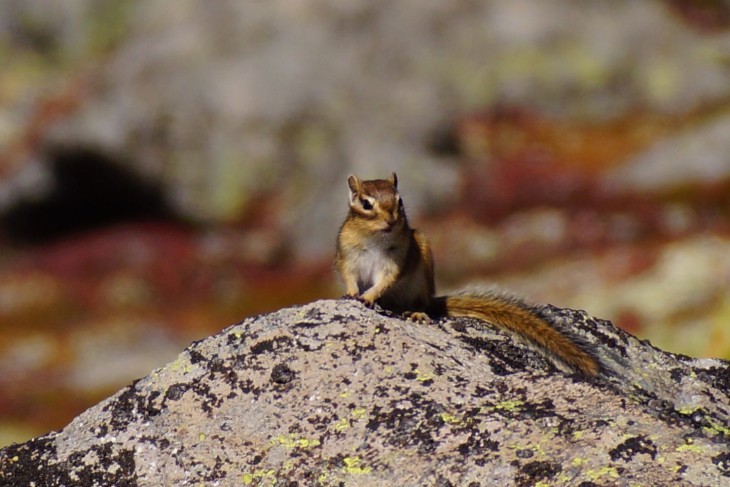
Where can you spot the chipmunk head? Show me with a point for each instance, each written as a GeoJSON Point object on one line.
{"type": "Point", "coordinates": [377, 201]}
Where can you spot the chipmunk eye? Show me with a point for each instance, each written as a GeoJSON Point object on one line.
{"type": "Point", "coordinates": [366, 205]}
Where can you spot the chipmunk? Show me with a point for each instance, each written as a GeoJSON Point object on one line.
{"type": "Point", "coordinates": [381, 259]}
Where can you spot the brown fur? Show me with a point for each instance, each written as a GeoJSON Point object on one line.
{"type": "Point", "coordinates": [382, 259]}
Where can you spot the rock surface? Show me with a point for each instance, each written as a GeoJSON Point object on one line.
{"type": "Point", "coordinates": [331, 393]}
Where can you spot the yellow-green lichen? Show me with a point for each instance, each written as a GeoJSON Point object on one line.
{"type": "Point", "coordinates": [509, 405]}
{"type": "Point", "coordinates": [424, 376]}
{"type": "Point", "coordinates": [602, 472]}
{"type": "Point", "coordinates": [687, 410]}
{"type": "Point", "coordinates": [259, 476]}
{"type": "Point", "coordinates": [714, 427]}
{"type": "Point", "coordinates": [449, 418]}
{"type": "Point", "coordinates": [342, 424]}
{"type": "Point", "coordinates": [690, 447]}
{"type": "Point", "coordinates": [181, 364]}
{"type": "Point", "coordinates": [359, 413]}
{"type": "Point", "coordinates": [292, 441]}
{"type": "Point", "coordinates": [353, 466]}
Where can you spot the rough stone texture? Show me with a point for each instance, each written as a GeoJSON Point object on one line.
{"type": "Point", "coordinates": [331, 393]}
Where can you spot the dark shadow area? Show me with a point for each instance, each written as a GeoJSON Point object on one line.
{"type": "Point", "coordinates": [444, 141]}
{"type": "Point", "coordinates": [90, 190]}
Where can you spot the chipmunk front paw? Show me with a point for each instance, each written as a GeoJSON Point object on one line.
{"type": "Point", "coordinates": [358, 297]}
{"type": "Point", "coordinates": [417, 316]}
{"type": "Point", "coordinates": [367, 302]}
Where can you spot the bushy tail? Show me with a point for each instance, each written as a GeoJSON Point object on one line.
{"type": "Point", "coordinates": [513, 315]}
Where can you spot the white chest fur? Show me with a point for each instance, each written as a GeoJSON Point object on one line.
{"type": "Point", "coordinates": [373, 261]}
{"type": "Point", "coordinates": [369, 265]}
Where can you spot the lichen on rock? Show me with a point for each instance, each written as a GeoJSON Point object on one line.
{"type": "Point", "coordinates": [332, 393]}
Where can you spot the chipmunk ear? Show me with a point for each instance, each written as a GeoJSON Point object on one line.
{"type": "Point", "coordinates": [354, 183]}
{"type": "Point", "coordinates": [393, 180]}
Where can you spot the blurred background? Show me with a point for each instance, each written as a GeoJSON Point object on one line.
{"type": "Point", "coordinates": [168, 169]}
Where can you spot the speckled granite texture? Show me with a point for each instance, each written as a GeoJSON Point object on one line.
{"type": "Point", "coordinates": [332, 393]}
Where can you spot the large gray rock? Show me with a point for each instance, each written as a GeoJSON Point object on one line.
{"type": "Point", "coordinates": [332, 393]}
